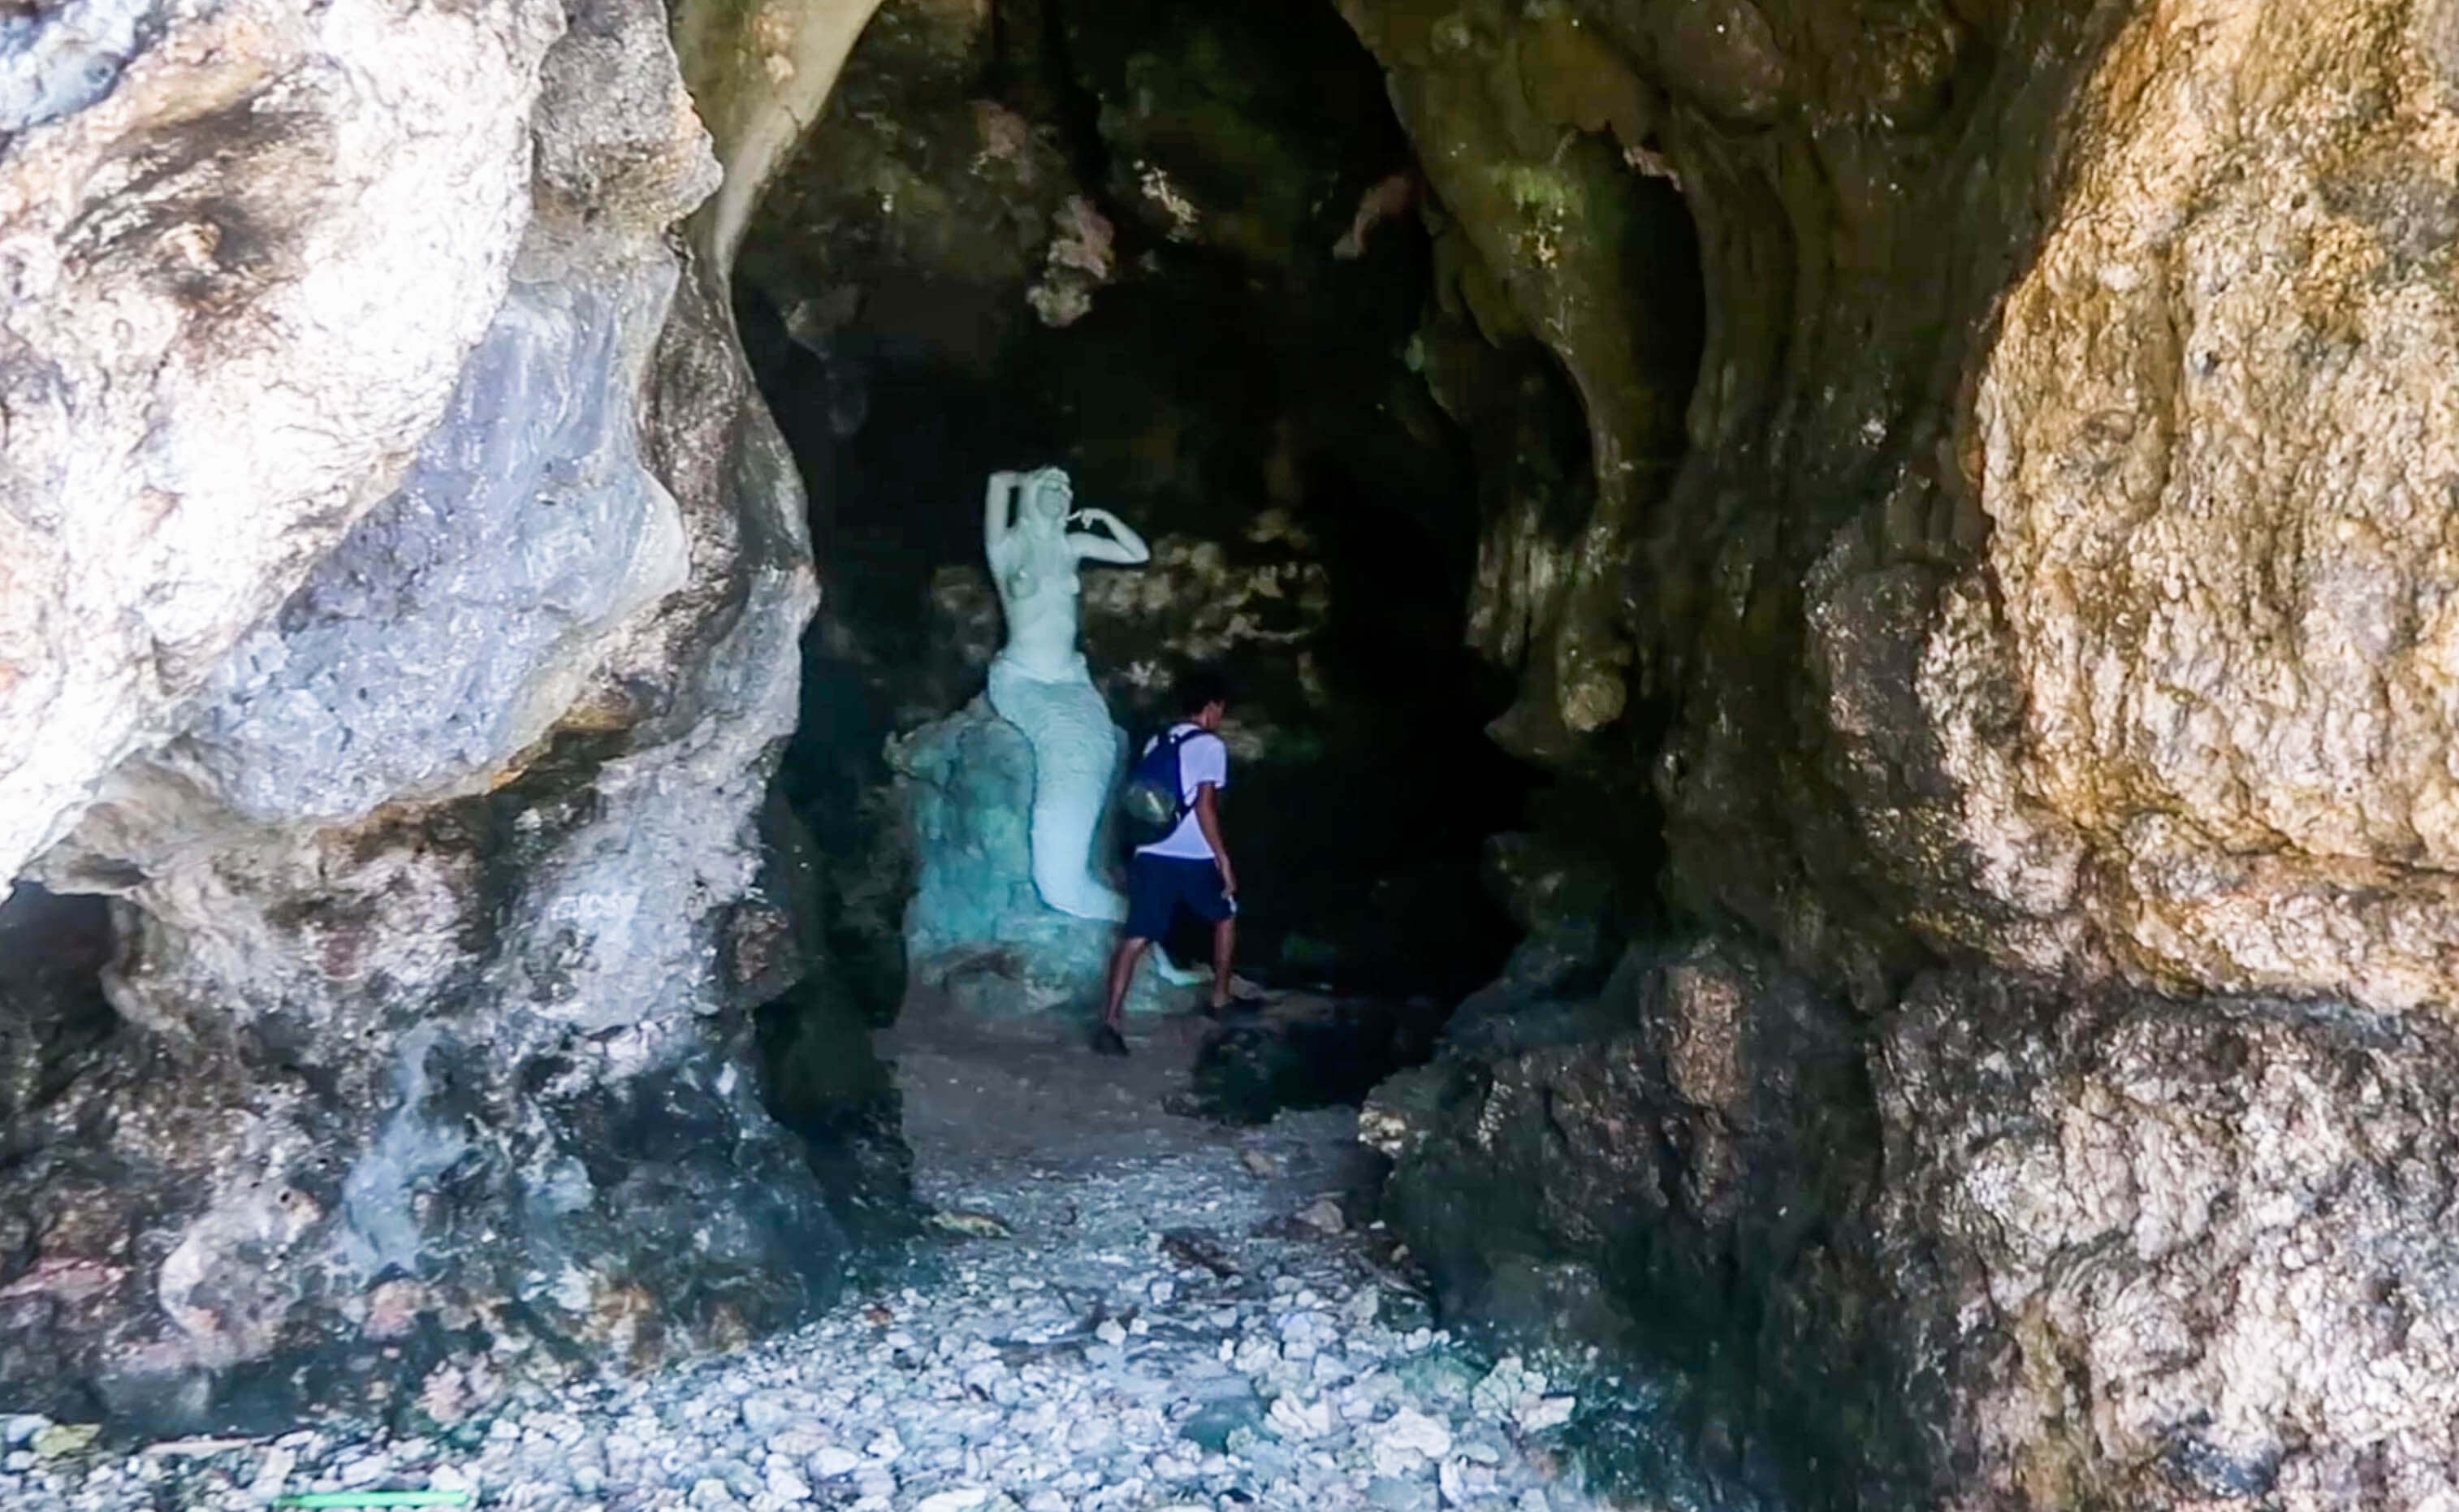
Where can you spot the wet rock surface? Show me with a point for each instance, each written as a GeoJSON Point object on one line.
{"type": "Point", "coordinates": [1118, 1309]}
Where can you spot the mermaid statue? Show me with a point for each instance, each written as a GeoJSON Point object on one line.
{"type": "Point", "coordinates": [1036, 539]}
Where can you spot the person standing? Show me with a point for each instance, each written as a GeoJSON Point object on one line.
{"type": "Point", "coordinates": [1189, 867]}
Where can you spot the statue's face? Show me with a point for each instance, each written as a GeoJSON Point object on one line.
{"type": "Point", "coordinates": [1050, 497]}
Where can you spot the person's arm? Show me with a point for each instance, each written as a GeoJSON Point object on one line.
{"type": "Point", "coordinates": [1208, 818]}
{"type": "Point", "coordinates": [997, 498]}
{"type": "Point", "coordinates": [1122, 546]}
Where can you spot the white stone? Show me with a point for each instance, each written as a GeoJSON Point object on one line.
{"type": "Point", "coordinates": [272, 1471]}
{"type": "Point", "coordinates": [1546, 1412]}
{"type": "Point", "coordinates": [875, 1481]}
{"type": "Point", "coordinates": [18, 1429]}
{"type": "Point", "coordinates": [1300, 1420]}
{"type": "Point", "coordinates": [769, 1413]}
{"type": "Point", "coordinates": [1403, 1445]}
{"type": "Point", "coordinates": [786, 1482]}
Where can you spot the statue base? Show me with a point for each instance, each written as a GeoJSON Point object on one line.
{"type": "Point", "coordinates": [976, 930]}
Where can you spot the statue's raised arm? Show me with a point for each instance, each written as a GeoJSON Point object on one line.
{"type": "Point", "coordinates": [998, 502]}
{"type": "Point", "coordinates": [1122, 546]}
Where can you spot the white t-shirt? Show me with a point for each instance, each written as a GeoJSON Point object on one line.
{"type": "Point", "coordinates": [1202, 758]}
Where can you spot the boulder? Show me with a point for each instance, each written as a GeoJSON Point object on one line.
{"type": "Point", "coordinates": [2021, 1243]}
{"type": "Point", "coordinates": [431, 849]}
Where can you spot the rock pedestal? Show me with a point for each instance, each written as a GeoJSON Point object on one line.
{"type": "Point", "coordinates": [975, 930]}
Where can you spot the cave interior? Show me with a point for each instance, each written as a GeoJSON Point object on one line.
{"type": "Point", "coordinates": [1842, 653]}
{"type": "Point", "coordinates": [1238, 369]}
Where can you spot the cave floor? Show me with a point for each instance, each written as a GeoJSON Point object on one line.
{"type": "Point", "coordinates": [1115, 1308]}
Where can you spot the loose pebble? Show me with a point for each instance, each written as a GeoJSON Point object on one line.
{"type": "Point", "coordinates": [1157, 1335]}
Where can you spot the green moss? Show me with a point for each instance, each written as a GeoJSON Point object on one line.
{"type": "Point", "coordinates": [1543, 191]}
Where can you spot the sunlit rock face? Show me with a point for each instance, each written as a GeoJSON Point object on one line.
{"type": "Point", "coordinates": [223, 341]}
{"type": "Point", "coordinates": [2217, 452]}
{"type": "Point", "coordinates": [2030, 634]}
{"type": "Point", "coordinates": [439, 891]}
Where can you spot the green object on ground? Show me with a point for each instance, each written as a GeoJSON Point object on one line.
{"type": "Point", "coordinates": [65, 1438]}
{"type": "Point", "coordinates": [308, 1501]}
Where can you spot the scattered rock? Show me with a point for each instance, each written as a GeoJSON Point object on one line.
{"type": "Point", "coordinates": [970, 1224]}
{"type": "Point", "coordinates": [1138, 1357]}
{"type": "Point", "coordinates": [1194, 1249]}
{"type": "Point", "coordinates": [59, 1439]}
{"type": "Point", "coordinates": [18, 1429]}
{"type": "Point", "coordinates": [272, 1472]}
{"type": "Point", "coordinates": [1324, 1215]}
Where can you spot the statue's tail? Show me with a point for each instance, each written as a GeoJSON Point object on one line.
{"type": "Point", "coordinates": [1075, 762]}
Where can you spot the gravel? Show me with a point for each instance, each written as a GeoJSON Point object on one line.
{"type": "Point", "coordinates": [1174, 1330]}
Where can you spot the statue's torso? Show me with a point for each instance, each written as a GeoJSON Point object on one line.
{"type": "Point", "coordinates": [1039, 589]}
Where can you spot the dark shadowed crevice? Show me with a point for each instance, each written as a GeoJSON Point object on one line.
{"type": "Point", "coordinates": [53, 952]}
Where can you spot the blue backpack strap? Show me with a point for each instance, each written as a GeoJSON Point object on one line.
{"type": "Point", "coordinates": [1178, 739]}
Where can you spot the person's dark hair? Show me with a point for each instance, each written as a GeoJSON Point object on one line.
{"type": "Point", "coordinates": [1199, 687]}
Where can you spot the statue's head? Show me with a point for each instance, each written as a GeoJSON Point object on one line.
{"type": "Point", "coordinates": [1048, 496]}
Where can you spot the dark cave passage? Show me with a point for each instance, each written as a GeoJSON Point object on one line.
{"type": "Point", "coordinates": [1227, 363]}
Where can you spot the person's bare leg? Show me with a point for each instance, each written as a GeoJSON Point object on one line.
{"type": "Point", "coordinates": [1225, 945]}
{"type": "Point", "coordinates": [1122, 974]}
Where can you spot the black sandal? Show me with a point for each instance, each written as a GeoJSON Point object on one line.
{"type": "Point", "coordinates": [1109, 1041]}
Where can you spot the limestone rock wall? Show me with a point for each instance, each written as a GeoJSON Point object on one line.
{"type": "Point", "coordinates": [221, 346]}
{"type": "Point", "coordinates": [2042, 565]}
{"type": "Point", "coordinates": [2030, 639]}
{"type": "Point", "coordinates": [408, 516]}
{"type": "Point", "coordinates": [2217, 453]}
{"type": "Point", "coordinates": [2019, 1244]}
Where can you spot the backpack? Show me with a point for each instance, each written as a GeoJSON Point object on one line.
{"type": "Point", "coordinates": [1154, 799]}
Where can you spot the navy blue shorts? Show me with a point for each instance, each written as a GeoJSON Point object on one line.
{"type": "Point", "coordinates": [1158, 887]}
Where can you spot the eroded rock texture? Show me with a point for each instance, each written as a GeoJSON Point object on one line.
{"type": "Point", "coordinates": [463, 576]}
{"type": "Point", "coordinates": [2051, 571]}
{"type": "Point", "coordinates": [2022, 1245]}
{"type": "Point", "coordinates": [222, 344]}
{"type": "Point", "coordinates": [2030, 634]}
